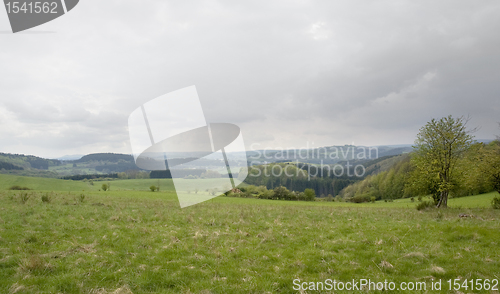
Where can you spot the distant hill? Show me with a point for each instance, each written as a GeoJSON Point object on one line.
{"type": "Point", "coordinates": [69, 157]}
{"type": "Point", "coordinates": [391, 151]}
{"type": "Point", "coordinates": [327, 154]}
{"type": "Point", "coordinates": [21, 161]}
{"type": "Point", "coordinates": [98, 163]}
{"type": "Point", "coordinates": [109, 163]}
{"type": "Point", "coordinates": [383, 164]}
{"type": "Point", "coordinates": [108, 157]}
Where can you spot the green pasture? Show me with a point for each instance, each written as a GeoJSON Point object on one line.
{"type": "Point", "coordinates": [82, 240]}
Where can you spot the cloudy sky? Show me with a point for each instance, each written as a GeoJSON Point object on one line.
{"type": "Point", "coordinates": [287, 72]}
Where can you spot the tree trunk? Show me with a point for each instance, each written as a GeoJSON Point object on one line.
{"type": "Point", "coordinates": [443, 200]}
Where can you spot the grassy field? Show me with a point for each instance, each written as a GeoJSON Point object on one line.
{"type": "Point", "coordinates": [48, 184]}
{"type": "Point", "coordinates": [142, 242]}
{"type": "Point", "coordinates": [44, 184]}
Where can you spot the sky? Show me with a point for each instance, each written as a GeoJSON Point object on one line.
{"type": "Point", "coordinates": [290, 74]}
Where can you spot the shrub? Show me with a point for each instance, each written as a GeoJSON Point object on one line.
{"type": "Point", "coordinates": [281, 193]}
{"type": "Point", "coordinates": [372, 199]}
{"type": "Point", "coordinates": [310, 195]}
{"type": "Point", "coordinates": [419, 198]}
{"type": "Point", "coordinates": [246, 195]}
{"type": "Point", "coordinates": [268, 194]}
{"type": "Point", "coordinates": [24, 196]}
{"type": "Point", "coordinates": [152, 188]}
{"type": "Point", "coordinates": [425, 205]}
{"type": "Point", "coordinates": [81, 198]}
{"type": "Point", "coordinates": [46, 198]}
{"type": "Point", "coordinates": [16, 187]}
{"type": "Point", "coordinates": [495, 203]}
{"type": "Point", "coordinates": [361, 198]}
{"type": "Point", "coordinates": [104, 187]}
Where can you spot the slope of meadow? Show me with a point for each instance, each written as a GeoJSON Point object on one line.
{"type": "Point", "coordinates": [143, 242]}
{"type": "Point", "coordinates": [44, 184]}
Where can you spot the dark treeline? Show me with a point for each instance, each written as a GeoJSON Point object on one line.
{"type": "Point", "coordinates": [298, 177]}
{"type": "Point", "coordinates": [90, 177]}
{"type": "Point", "coordinates": [165, 174]}
{"type": "Point", "coordinates": [116, 167]}
{"type": "Point", "coordinates": [38, 163]}
{"type": "Point", "coordinates": [321, 186]}
{"type": "Point", "coordinates": [9, 166]}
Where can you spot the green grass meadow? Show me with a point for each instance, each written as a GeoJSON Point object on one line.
{"type": "Point", "coordinates": [131, 240]}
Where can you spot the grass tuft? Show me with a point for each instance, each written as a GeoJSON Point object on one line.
{"type": "Point", "coordinates": [495, 203]}
{"type": "Point", "coordinates": [46, 198]}
{"type": "Point", "coordinates": [424, 205]}
{"type": "Point", "coordinates": [24, 197]}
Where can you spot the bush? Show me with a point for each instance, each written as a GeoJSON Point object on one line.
{"type": "Point", "coordinates": [372, 199]}
{"type": "Point", "coordinates": [281, 193]}
{"type": "Point", "coordinates": [104, 187]}
{"type": "Point", "coordinates": [425, 205]}
{"type": "Point", "coordinates": [268, 194]}
{"type": "Point", "coordinates": [152, 188]}
{"type": "Point", "coordinates": [495, 203]}
{"type": "Point", "coordinates": [293, 196]}
{"type": "Point", "coordinates": [246, 195]}
{"type": "Point", "coordinates": [310, 195]}
{"type": "Point", "coordinates": [361, 198]}
{"type": "Point", "coordinates": [46, 198]}
{"type": "Point", "coordinates": [16, 187]}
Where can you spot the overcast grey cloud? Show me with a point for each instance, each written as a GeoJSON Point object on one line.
{"type": "Point", "coordinates": [286, 72]}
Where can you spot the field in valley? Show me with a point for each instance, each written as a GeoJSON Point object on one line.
{"type": "Point", "coordinates": [130, 240]}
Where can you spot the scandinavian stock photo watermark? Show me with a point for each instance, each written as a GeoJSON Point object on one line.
{"type": "Point", "coordinates": [269, 159]}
